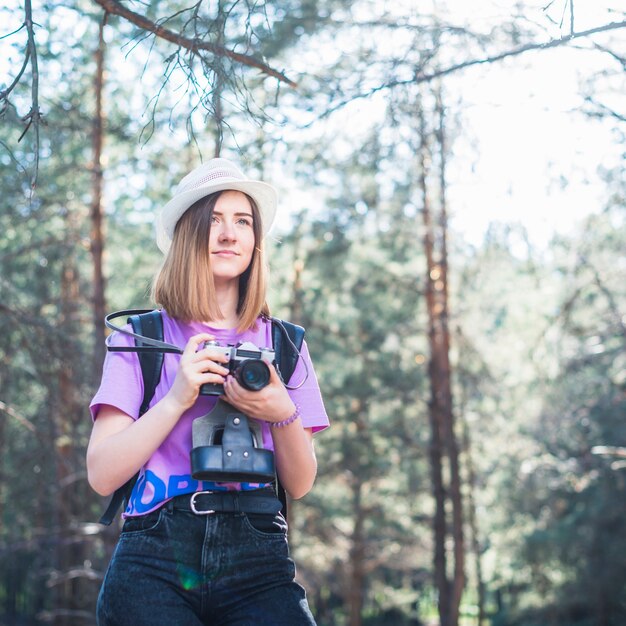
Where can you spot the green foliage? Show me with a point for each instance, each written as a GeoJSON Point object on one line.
{"type": "Point", "coordinates": [575, 552]}
{"type": "Point", "coordinates": [555, 528]}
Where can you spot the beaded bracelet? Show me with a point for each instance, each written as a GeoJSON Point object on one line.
{"type": "Point", "coordinates": [292, 418]}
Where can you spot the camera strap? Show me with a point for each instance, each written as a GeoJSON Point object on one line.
{"type": "Point", "coordinates": [142, 343]}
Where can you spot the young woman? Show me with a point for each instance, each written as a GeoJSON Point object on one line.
{"type": "Point", "coordinates": [179, 562]}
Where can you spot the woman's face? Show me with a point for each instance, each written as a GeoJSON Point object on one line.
{"type": "Point", "coordinates": [231, 238]}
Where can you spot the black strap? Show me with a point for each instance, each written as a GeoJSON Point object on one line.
{"type": "Point", "coordinates": [148, 324]}
{"type": "Point", "coordinates": [204, 502]}
{"type": "Point", "coordinates": [287, 341]}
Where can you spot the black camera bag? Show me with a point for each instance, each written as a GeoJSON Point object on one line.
{"type": "Point", "coordinates": [235, 458]}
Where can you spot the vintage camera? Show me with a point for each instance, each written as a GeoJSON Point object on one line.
{"type": "Point", "coordinates": [227, 446]}
{"type": "Point", "coordinates": [247, 363]}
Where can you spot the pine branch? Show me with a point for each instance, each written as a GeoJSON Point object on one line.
{"type": "Point", "coordinates": [428, 77]}
{"type": "Point", "coordinates": [604, 111]}
{"type": "Point", "coordinates": [34, 117]}
{"type": "Point", "coordinates": [554, 43]}
{"type": "Point", "coordinates": [617, 57]}
{"type": "Point", "coordinates": [193, 45]}
{"type": "Point", "coordinates": [11, 412]}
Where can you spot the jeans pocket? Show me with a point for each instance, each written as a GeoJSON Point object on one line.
{"type": "Point", "coordinates": [264, 524]}
{"type": "Point", "coordinates": [142, 523]}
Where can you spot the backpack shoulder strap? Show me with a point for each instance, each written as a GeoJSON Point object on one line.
{"type": "Point", "coordinates": [148, 324]}
{"type": "Point", "coordinates": [287, 339]}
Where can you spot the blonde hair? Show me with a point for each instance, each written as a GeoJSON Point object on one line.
{"type": "Point", "coordinates": [184, 285]}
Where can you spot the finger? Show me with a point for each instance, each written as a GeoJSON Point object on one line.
{"type": "Point", "coordinates": [211, 377]}
{"type": "Point", "coordinates": [208, 365]}
{"type": "Point", "coordinates": [202, 363]}
{"type": "Point", "coordinates": [274, 377]}
{"type": "Point", "coordinates": [199, 364]}
{"type": "Point", "coordinates": [214, 353]}
{"type": "Point", "coordinates": [195, 341]}
{"type": "Point", "coordinates": [230, 385]}
{"type": "Point", "coordinates": [234, 391]}
{"type": "Point", "coordinates": [195, 376]}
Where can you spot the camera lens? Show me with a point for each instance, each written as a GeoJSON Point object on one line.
{"type": "Point", "coordinates": [253, 374]}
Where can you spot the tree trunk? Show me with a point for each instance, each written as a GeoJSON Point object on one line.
{"type": "Point", "coordinates": [434, 413]}
{"type": "Point", "coordinates": [67, 413]}
{"type": "Point", "coordinates": [218, 87]}
{"type": "Point", "coordinates": [357, 557]}
{"type": "Point", "coordinates": [97, 236]}
{"type": "Point", "coordinates": [472, 522]}
{"type": "Point", "coordinates": [450, 439]}
{"type": "Point", "coordinates": [444, 449]}
{"type": "Point", "coordinates": [296, 310]}
{"type": "Point", "coordinates": [474, 538]}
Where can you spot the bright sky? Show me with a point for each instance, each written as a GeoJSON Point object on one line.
{"type": "Point", "coordinates": [532, 156]}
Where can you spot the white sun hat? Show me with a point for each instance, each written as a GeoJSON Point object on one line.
{"type": "Point", "coordinates": [214, 175]}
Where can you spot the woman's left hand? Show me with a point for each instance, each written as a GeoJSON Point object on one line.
{"type": "Point", "coordinates": [272, 403]}
{"type": "Point", "coordinates": [296, 464]}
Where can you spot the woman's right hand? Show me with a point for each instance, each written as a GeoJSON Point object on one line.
{"type": "Point", "coordinates": [120, 445]}
{"type": "Point", "coordinates": [196, 367]}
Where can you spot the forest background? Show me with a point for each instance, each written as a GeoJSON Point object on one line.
{"type": "Point", "coordinates": [458, 264]}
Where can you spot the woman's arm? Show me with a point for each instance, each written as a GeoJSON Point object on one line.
{"type": "Point", "coordinates": [296, 463]}
{"type": "Point", "coordinates": [119, 446]}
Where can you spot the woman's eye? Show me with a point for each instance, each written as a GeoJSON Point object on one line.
{"type": "Point", "coordinates": [244, 222]}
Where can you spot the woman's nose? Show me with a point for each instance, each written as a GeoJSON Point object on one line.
{"type": "Point", "coordinates": [227, 232]}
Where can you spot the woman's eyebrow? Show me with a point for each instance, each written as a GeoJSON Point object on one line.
{"type": "Point", "coordinates": [238, 213]}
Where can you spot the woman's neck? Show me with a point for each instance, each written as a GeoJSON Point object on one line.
{"type": "Point", "coordinates": [227, 296]}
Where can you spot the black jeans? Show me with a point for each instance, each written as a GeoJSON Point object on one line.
{"type": "Point", "coordinates": [175, 568]}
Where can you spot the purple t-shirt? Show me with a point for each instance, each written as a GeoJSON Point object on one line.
{"type": "Point", "coordinates": [168, 471]}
